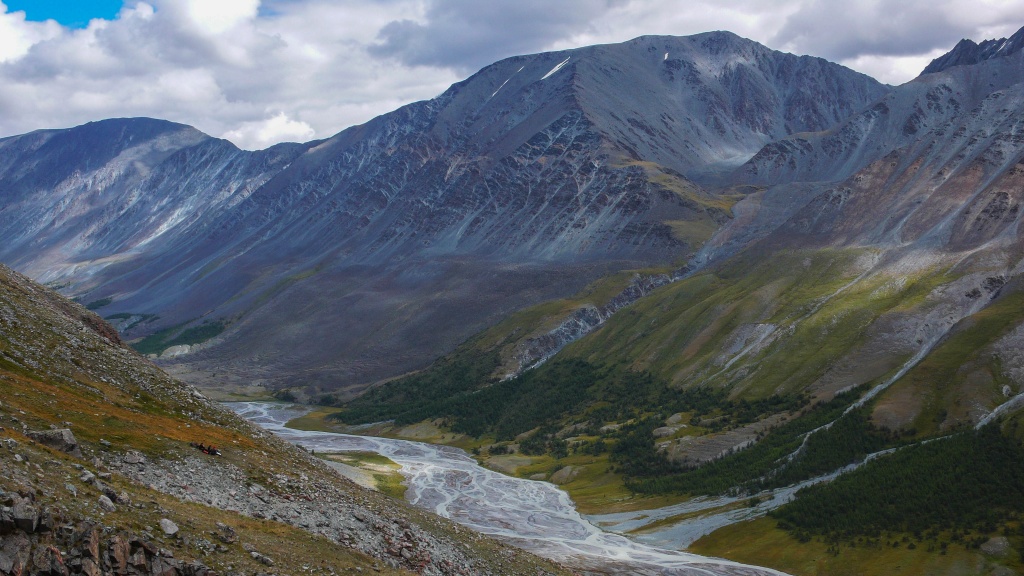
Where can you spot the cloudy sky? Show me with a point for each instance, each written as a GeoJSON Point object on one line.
{"type": "Point", "coordinates": [259, 72]}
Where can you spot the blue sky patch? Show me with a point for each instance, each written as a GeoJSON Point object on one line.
{"type": "Point", "coordinates": [74, 14]}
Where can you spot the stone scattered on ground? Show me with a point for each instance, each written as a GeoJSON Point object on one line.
{"type": "Point", "coordinates": [106, 503]}
{"type": "Point", "coordinates": [169, 527]}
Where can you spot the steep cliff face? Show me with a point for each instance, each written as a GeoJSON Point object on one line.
{"type": "Point", "coordinates": [368, 254]}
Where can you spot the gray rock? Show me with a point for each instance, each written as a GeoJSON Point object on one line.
{"type": "Point", "coordinates": [47, 522]}
{"type": "Point", "coordinates": [227, 534]}
{"type": "Point", "coordinates": [6, 521]}
{"type": "Point", "coordinates": [664, 431]}
{"type": "Point", "coordinates": [61, 439]}
{"type": "Point", "coordinates": [106, 504]}
{"type": "Point", "coordinates": [169, 527]}
{"type": "Point", "coordinates": [25, 516]}
{"type": "Point", "coordinates": [262, 559]}
{"type": "Point", "coordinates": [15, 552]}
{"type": "Point", "coordinates": [996, 546]}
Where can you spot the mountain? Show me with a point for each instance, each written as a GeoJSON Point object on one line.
{"type": "Point", "coordinates": [861, 312]}
{"type": "Point", "coordinates": [949, 107]}
{"type": "Point", "coordinates": [677, 267]}
{"type": "Point", "coordinates": [99, 476]}
{"type": "Point", "coordinates": [967, 52]}
{"type": "Point", "coordinates": [340, 262]}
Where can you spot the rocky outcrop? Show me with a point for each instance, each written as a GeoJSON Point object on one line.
{"type": "Point", "coordinates": [41, 541]}
{"type": "Point", "coordinates": [534, 351]}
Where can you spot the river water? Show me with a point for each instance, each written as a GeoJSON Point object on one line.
{"type": "Point", "coordinates": [533, 515]}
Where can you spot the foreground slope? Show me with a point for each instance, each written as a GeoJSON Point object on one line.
{"type": "Point", "coordinates": [391, 242]}
{"type": "Point", "coordinates": [97, 498]}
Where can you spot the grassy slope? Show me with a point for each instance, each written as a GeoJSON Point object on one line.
{"type": "Point", "coordinates": [760, 541]}
{"type": "Point", "coordinates": [680, 332]}
{"type": "Point", "coordinates": [830, 312]}
{"type": "Point", "coordinates": [960, 375]}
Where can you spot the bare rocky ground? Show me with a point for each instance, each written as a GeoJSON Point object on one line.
{"type": "Point", "coordinates": [64, 515]}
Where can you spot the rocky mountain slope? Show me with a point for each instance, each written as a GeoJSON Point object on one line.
{"type": "Point", "coordinates": [864, 300]}
{"type": "Point", "coordinates": [99, 476]}
{"type": "Point", "coordinates": [372, 252]}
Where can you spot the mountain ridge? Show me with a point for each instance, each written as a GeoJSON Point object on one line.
{"type": "Point", "coordinates": [534, 171]}
{"type": "Point", "coordinates": [968, 52]}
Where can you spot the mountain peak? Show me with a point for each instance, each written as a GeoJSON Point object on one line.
{"type": "Point", "coordinates": [967, 52]}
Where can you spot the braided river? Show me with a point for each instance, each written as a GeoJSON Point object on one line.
{"type": "Point", "coordinates": [534, 515]}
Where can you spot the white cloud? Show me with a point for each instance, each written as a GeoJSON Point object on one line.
{"type": "Point", "coordinates": [260, 72]}
{"type": "Point", "coordinates": [264, 133]}
{"type": "Point", "coordinates": [222, 15]}
{"type": "Point", "coordinates": [17, 35]}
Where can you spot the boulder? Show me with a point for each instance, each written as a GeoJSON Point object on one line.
{"type": "Point", "coordinates": [61, 439]}
{"type": "Point", "coordinates": [169, 528]}
{"type": "Point", "coordinates": [26, 517]}
{"type": "Point", "coordinates": [106, 504]}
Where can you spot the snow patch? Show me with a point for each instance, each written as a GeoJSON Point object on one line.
{"type": "Point", "coordinates": [506, 81]}
{"type": "Point", "coordinates": [556, 68]}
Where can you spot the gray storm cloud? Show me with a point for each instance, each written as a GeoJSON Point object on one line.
{"type": "Point", "coordinates": [259, 73]}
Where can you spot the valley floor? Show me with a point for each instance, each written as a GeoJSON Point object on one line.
{"type": "Point", "coordinates": [732, 528]}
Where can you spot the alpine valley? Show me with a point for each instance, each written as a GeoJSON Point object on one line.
{"type": "Point", "coordinates": [681, 277]}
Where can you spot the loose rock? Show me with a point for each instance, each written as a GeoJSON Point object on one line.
{"type": "Point", "coordinates": [169, 528]}
{"type": "Point", "coordinates": [106, 504]}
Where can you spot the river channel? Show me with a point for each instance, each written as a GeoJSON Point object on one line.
{"type": "Point", "coordinates": [533, 515]}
